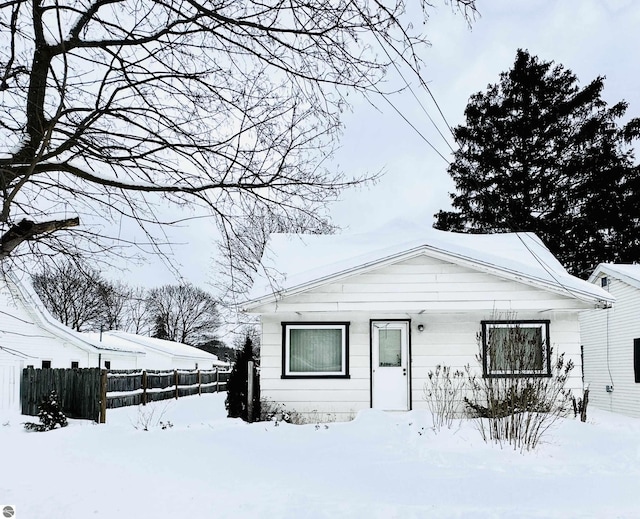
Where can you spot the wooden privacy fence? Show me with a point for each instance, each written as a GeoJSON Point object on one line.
{"type": "Point", "coordinates": [89, 392]}
{"type": "Point", "coordinates": [78, 390]}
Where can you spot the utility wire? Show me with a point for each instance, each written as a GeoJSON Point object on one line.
{"type": "Point", "coordinates": [548, 269]}
{"type": "Point", "coordinates": [422, 82]}
{"type": "Point", "coordinates": [412, 126]}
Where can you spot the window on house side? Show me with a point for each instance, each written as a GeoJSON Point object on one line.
{"type": "Point", "coordinates": [74, 364]}
{"type": "Point", "coordinates": [315, 350]}
{"type": "Point", "coordinates": [46, 364]}
{"type": "Point", "coordinates": [107, 364]}
{"type": "Point", "coordinates": [513, 348]}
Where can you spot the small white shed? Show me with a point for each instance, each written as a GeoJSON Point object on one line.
{"type": "Point", "coordinates": [357, 321]}
{"type": "Point", "coordinates": [611, 341]}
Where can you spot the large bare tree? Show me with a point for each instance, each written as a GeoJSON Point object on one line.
{"type": "Point", "coordinates": [109, 109]}
{"type": "Point", "coordinates": [76, 295]}
{"type": "Point", "coordinates": [183, 313]}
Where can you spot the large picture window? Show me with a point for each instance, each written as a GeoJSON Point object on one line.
{"type": "Point", "coordinates": [516, 348]}
{"type": "Point", "coordinates": [315, 349]}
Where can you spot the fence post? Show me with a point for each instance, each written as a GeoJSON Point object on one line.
{"type": "Point", "coordinates": [103, 396]}
{"type": "Point", "coordinates": [217, 380]}
{"type": "Point", "coordinates": [144, 387]}
{"type": "Point", "coordinates": [199, 384]}
{"type": "Point", "coordinates": [175, 378]}
{"type": "Point", "coordinates": [250, 390]}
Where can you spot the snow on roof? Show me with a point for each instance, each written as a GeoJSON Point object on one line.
{"type": "Point", "coordinates": [294, 262]}
{"type": "Point", "coordinates": [630, 273]}
{"type": "Point", "coordinates": [176, 349]}
{"type": "Point", "coordinates": [34, 305]}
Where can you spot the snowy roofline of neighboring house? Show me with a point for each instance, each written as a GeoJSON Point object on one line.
{"type": "Point", "coordinates": [629, 273]}
{"type": "Point", "coordinates": [40, 312]}
{"type": "Point", "coordinates": [294, 262]}
{"type": "Point", "coordinates": [117, 338]}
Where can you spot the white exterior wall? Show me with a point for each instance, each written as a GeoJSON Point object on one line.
{"type": "Point", "coordinates": [28, 341]}
{"type": "Point", "coordinates": [449, 300]}
{"type": "Point", "coordinates": [10, 369]}
{"type": "Point", "coordinates": [157, 360]}
{"type": "Point", "coordinates": [607, 338]}
{"type": "Point", "coordinates": [25, 342]}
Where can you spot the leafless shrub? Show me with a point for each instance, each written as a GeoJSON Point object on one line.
{"type": "Point", "coordinates": [443, 392]}
{"type": "Point", "coordinates": [580, 405]}
{"type": "Point", "coordinates": [151, 416]}
{"type": "Point", "coordinates": [519, 406]}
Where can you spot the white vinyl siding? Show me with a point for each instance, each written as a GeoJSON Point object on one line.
{"type": "Point", "coordinates": [423, 284]}
{"type": "Point", "coordinates": [607, 338]}
{"type": "Point", "coordinates": [448, 300]}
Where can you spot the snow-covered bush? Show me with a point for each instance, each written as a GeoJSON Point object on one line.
{"type": "Point", "coordinates": [274, 412]}
{"type": "Point", "coordinates": [50, 415]}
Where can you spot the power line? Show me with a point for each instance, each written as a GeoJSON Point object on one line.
{"type": "Point", "coordinates": [412, 126]}
{"type": "Point", "coordinates": [402, 57]}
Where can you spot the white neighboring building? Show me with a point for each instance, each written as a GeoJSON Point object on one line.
{"type": "Point", "coordinates": [30, 336]}
{"type": "Point", "coordinates": [358, 321]}
{"type": "Point", "coordinates": [160, 354]}
{"type": "Point", "coordinates": [611, 342]}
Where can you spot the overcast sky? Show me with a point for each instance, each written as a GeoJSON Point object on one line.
{"type": "Point", "coordinates": [589, 37]}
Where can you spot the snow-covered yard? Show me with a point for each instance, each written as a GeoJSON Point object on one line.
{"type": "Point", "coordinates": [378, 466]}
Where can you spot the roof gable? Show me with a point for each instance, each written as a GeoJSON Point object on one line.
{"type": "Point", "coordinates": [629, 273]}
{"type": "Point", "coordinates": [296, 263]}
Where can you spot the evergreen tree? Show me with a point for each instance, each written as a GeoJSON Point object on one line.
{"type": "Point", "coordinates": [237, 385]}
{"type": "Point", "coordinates": [159, 329]}
{"type": "Point", "coordinates": [538, 153]}
{"type": "Point", "coordinates": [50, 415]}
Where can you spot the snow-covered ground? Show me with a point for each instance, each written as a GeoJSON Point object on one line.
{"type": "Point", "coordinates": [378, 466]}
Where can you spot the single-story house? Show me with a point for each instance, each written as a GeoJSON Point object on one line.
{"type": "Point", "coordinates": [357, 321]}
{"type": "Point", "coordinates": [30, 336]}
{"type": "Point", "coordinates": [611, 342]}
{"type": "Point", "coordinates": [159, 353]}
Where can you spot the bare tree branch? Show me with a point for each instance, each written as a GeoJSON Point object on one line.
{"type": "Point", "coordinates": [111, 108]}
{"type": "Point", "coordinates": [28, 230]}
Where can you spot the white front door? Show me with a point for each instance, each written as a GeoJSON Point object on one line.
{"type": "Point", "coordinates": [390, 365]}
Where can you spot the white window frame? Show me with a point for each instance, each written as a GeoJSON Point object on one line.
{"type": "Point", "coordinates": [286, 371]}
{"type": "Point", "coordinates": [543, 326]}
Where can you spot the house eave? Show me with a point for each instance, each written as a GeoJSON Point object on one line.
{"type": "Point", "coordinates": [490, 268]}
